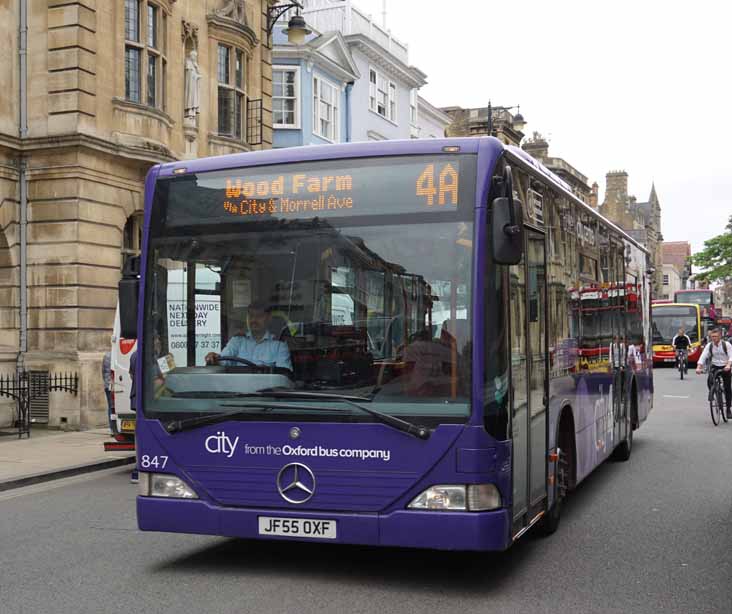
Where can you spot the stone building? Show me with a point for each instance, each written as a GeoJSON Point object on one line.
{"type": "Point", "coordinates": [672, 282]}
{"type": "Point", "coordinates": [538, 147]}
{"type": "Point", "coordinates": [678, 255]}
{"type": "Point", "coordinates": [94, 93]}
{"type": "Point", "coordinates": [641, 220]}
{"type": "Point", "coordinates": [503, 124]}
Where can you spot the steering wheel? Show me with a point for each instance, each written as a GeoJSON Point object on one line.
{"type": "Point", "coordinates": [243, 361]}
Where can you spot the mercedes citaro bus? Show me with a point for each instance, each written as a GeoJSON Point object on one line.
{"type": "Point", "coordinates": [422, 299]}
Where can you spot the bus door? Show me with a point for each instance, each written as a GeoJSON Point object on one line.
{"type": "Point", "coordinates": [619, 328]}
{"type": "Point", "coordinates": [529, 383]}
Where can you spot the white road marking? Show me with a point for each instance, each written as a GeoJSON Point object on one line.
{"type": "Point", "coordinates": [673, 396]}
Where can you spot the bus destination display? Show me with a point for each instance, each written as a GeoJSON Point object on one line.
{"type": "Point", "coordinates": [375, 186]}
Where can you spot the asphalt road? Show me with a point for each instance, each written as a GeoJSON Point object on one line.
{"type": "Point", "coordinates": [649, 535]}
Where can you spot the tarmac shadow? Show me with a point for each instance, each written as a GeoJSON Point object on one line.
{"type": "Point", "coordinates": [458, 573]}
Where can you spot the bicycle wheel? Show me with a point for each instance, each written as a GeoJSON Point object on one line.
{"type": "Point", "coordinates": [681, 368]}
{"type": "Point", "coordinates": [720, 400]}
{"type": "Point", "coordinates": [714, 406]}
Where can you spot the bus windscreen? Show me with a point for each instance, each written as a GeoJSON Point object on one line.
{"type": "Point", "coordinates": [668, 319]}
{"type": "Point", "coordinates": [374, 305]}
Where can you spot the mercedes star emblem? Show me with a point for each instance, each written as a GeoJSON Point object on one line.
{"type": "Point", "coordinates": [294, 432]}
{"type": "Point", "coordinates": [296, 483]}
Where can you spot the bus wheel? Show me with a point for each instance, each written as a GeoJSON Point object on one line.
{"type": "Point", "coordinates": [622, 452]}
{"type": "Point", "coordinates": [550, 521]}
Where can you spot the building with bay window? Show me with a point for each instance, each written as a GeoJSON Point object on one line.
{"type": "Point", "coordinates": [311, 88]}
{"type": "Point", "coordinates": [95, 93]}
{"type": "Point", "coordinates": [350, 80]}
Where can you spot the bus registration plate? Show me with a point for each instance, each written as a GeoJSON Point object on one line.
{"type": "Point", "coordinates": [298, 527]}
{"type": "Point", "coordinates": [127, 426]}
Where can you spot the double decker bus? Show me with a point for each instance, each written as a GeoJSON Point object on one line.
{"type": "Point", "coordinates": [704, 298]}
{"type": "Point", "coordinates": [434, 395]}
{"type": "Point", "coordinates": [667, 319]}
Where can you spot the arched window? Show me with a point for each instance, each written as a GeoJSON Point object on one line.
{"type": "Point", "coordinates": [132, 237]}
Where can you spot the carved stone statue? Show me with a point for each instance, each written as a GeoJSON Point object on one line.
{"type": "Point", "coordinates": [234, 9]}
{"type": "Point", "coordinates": [193, 76]}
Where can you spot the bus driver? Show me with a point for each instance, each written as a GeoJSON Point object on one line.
{"type": "Point", "coordinates": [258, 345]}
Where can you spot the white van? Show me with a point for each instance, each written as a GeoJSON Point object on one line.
{"type": "Point", "coordinates": [122, 418]}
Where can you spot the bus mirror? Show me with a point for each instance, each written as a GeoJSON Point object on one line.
{"type": "Point", "coordinates": [506, 220]}
{"type": "Point", "coordinates": [129, 290]}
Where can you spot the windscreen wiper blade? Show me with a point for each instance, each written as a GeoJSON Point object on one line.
{"type": "Point", "coordinates": [176, 426]}
{"type": "Point", "coordinates": [209, 394]}
{"type": "Point", "coordinates": [420, 432]}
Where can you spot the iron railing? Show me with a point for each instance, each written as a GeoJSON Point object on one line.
{"type": "Point", "coordinates": [23, 388]}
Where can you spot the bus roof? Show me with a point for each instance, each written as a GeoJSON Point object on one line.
{"type": "Point", "coordinates": [330, 152]}
{"type": "Point", "coordinates": [383, 148]}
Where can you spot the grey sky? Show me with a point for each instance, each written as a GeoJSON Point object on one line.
{"type": "Point", "coordinates": [639, 85]}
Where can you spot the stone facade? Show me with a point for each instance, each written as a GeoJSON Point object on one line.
{"type": "Point", "coordinates": [678, 255]}
{"type": "Point", "coordinates": [672, 282]}
{"type": "Point", "coordinates": [538, 147]}
{"type": "Point", "coordinates": [641, 220]}
{"type": "Point", "coordinates": [79, 129]}
{"type": "Point", "coordinates": [504, 125]}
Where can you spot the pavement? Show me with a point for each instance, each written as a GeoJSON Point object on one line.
{"type": "Point", "coordinates": [50, 454]}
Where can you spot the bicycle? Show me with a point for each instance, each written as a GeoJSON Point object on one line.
{"type": "Point", "coordinates": [681, 363]}
{"type": "Point", "coordinates": [716, 398]}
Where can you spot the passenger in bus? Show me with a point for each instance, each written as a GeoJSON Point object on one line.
{"type": "Point", "coordinates": [433, 363]}
{"type": "Point", "coordinates": [259, 345]}
{"type": "Point", "coordinates": [428, 363]}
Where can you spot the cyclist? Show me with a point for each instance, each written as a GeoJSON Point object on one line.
{"type": "Point", "coordinates": [719, 354]}
{"type": "Point", "coordinates": [681, 343]}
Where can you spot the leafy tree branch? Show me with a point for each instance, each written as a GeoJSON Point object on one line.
{"type": "Point", "coordinates": [715, 259]}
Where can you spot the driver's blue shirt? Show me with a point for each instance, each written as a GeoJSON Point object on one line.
{"type": "Point", "coordinates": [267, 351]}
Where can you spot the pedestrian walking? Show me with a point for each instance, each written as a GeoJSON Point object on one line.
{"type": "Point", "coordinates": [107, 381]}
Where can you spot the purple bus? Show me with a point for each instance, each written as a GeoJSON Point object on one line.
{"type": "Point", "coordinates": [379, 343]}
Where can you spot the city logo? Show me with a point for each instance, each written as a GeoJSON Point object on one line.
{"type": "Point", "coordinates": [296, 483]}
{"type": "Point", "coordinates": [221, 443]}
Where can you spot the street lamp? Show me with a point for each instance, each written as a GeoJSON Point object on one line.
{"type": "Point", "coordinates": [296, 29]}
{"type": "Point", "coordinates": [518, 120]}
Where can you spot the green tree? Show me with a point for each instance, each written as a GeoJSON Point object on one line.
{"type": "Point", "coordinates": [715, 259]}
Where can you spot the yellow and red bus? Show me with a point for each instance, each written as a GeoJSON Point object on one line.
{"type": "Point", "coordinates": [667, 319]}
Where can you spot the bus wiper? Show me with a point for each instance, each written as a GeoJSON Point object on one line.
{"type": "Point", "coordinates": [209, 394]}
{"type": "Point", "coordinates": [176, 426]}
{"type": "Point", "coordinates": [421, 432]}
{"type": "Point", "coordinates": [303, 393]}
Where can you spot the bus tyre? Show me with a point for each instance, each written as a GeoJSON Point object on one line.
{"type": "Point", "coordinates": [550, 521]}
{"type": "Point", "coordinates": [622, 452]}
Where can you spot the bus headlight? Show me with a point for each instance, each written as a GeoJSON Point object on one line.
{"type": "Point", "coordinates": [441, 497]}
{"type": "Point", "coordinates": [165, 485]}
{"type": "Point", "coordinates": [458, 498]}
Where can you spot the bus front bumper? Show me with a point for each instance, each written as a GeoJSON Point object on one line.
{"type": "Point", "coordinates": [480, 531]}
